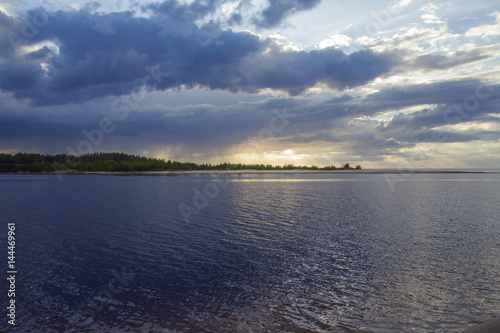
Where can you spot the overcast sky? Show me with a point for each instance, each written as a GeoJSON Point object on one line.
{"type": "Point", "coordinates": [384, 84]}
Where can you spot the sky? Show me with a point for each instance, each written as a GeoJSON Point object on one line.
{"type": "Point", "coordinates": [385, 84]}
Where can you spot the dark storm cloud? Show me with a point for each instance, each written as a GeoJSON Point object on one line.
{"type": "Point", "coordinates": [110, 54]}
{"type": "Point", "coordinates": [19, 75]}
{"type": "Point", "coordinates": [198, 124]}
{"type": "Point", "coordinates": [446, 92]}
{"type": "Point", "coordinates": [278, 10]}
{"type": "Point", "coordinates": [291, 71]}
{"type": "Point", "coordinates": [271, 16]}
{"type": "Point", "coordinates": [194, 128]}
{"type": "Point", "coordinates": [433, 62]}
{"type": "Point", "coordinates": [9, 25]}
{"type": "Point", "coordinates": [30, 127]}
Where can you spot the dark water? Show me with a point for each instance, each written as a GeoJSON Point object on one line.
{"type": "Point", "coordinates": [256, 253]}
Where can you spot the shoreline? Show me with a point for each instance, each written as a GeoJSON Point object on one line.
{"type": "Point", "coordinates": [240, 172]}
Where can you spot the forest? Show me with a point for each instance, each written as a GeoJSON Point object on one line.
{"type": "Point", "coordinates": [120, 162]}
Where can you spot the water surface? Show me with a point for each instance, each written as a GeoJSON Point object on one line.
{"type": "Point", "coordinates": [254, 253]}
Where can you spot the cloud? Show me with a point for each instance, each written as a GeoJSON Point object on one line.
{"type": "Point", "coordinates": [175, 12]}
{"type": "Point", "coordinates": [337, 40]}
{"type": "Point", "coordinates": [232, 11]}
{"type": "Point", "coordinates": [430, 14]}
{"type": "Point", "coordinates": [19, 75]}
{"type": "Point", "coordinates": [433, 93]}
{"type": "Point", "coordinates": [413, 114]}
{"type": "Point", "coordinates": [486, 30]}
{"type": "Point", "coordinates": [278, 10]}
{"type": "Point", "coordinates": [455, 103]}
{"type": "Point", "coordinates": [442, 112]}
{"type": "Point", "coordinates": [81, 55]}
{"type": "Point", "coordinates": [398, 6]}
{"type": "Point", "coordinates": [441, 62]}
{"type": "Point", "coordinates": [109, 54]}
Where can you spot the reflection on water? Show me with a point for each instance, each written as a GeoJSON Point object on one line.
{"type": "Point", "coordinates": [267, 253]}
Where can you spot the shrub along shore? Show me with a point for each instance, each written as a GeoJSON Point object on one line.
{"type": "Point", "coordinates": [120, 162]}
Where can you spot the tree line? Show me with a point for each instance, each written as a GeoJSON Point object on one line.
{"type": "Point", "coordinates": [116, 162]}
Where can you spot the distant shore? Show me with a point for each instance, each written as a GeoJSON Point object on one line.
{"type": "Point", "coordinates": [302, 172]}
